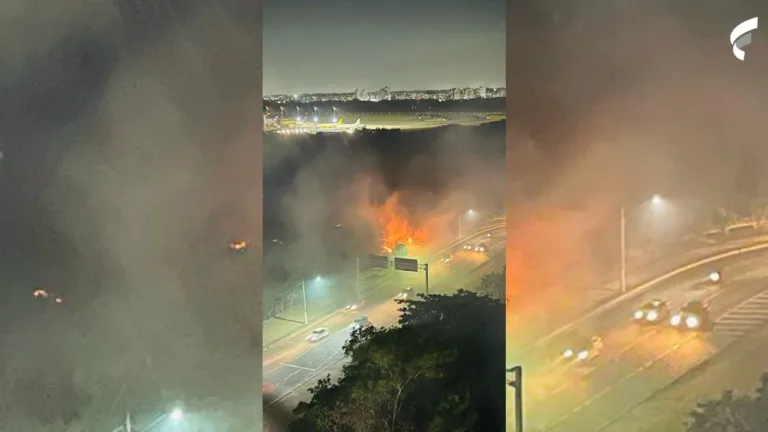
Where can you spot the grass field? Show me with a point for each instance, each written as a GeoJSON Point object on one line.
{"type": "Point", "coordinates": [420, 120]}
{"type": "Point", "coordinates": [408, 120]}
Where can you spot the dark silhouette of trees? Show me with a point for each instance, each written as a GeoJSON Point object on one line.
{"type": "Point", "coordinates": [732, 413]}
{"type": "Point", "coordinates": [494, 284]}
{"type": "Point", "coordinates": [442, 368]}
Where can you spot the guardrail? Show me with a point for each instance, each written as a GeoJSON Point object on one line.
{"type": "Point", "coordinates": [636, 291]}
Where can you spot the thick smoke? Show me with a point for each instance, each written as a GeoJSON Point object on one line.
{"type": "Point", "coordinates": [145, 183]}
{"type": "Point", "coordinates": [378, 201]}
{"type": "Point", "coordinates": [622, 100]}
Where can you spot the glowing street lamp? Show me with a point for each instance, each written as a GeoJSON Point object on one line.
{"type": "Point", "coordinates": [174, 416]}
{"type": "Point", "coordinates": [656, 200]}
{"type": "Point", "coordinates": [468, 214]}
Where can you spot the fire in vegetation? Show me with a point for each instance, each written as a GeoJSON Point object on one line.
{"type": "Point", "coordinates": [397, 225]}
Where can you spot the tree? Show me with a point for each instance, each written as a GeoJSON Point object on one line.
{"type": "Point", "coordinates": [733, 413]}
{"type": "Point", "coordinates": [440, 369]}
{"type": "Point", "coordinates": [494, 284]}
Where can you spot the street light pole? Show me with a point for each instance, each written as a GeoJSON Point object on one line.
{"type": "Point", "coordinates": [128, 424]}
{"type": "Point", "coordinates": [426, 277]}
{"type": "Point", "coordinates": [517, 384]}
{"type": "Point", "coordinates": [623, 250]}
{"type": "Point", "coordinates": [304, 297]}
{"type": "Point", "coordinates": [461, 215]}
{"type": "Point", "coordinates": [357, 277]}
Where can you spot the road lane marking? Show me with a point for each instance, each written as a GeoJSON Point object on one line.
{"type": "Point", "coordinates": [385, 308]}
{"type": "Point", "coordinates": [632, 374]}
{"type": "Point", "coordinates": [731, 331]}
{"type": "Point", "coordinates": [636, 342]}
{"type": "Point", "coordinates": [291, 375]}
{"type": "Point", "coordinates": [321, 358]}
{"type": "Point", "coordinates": [296, 367]}
{"type": "Point", "coordinates": [746, 316]}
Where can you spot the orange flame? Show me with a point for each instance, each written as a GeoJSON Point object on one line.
{"type": "Point", "coordinates": [394, 222]}
{"type": "Point", "coordinates": [398, 226]}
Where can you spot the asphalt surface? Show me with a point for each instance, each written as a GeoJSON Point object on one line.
{"type": "Point", "coordinates": [739, 368]}
{"type": "Point", "coordinates": [639, 360]}
{"type": "Point", "coordinates": [296, 360]}
{"type": "Point", "coordinates": [639, 272]}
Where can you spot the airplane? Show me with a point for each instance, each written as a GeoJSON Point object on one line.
{"type": "Point", "coordinates": [339, 126]}
{"type": "Point", "coordinates": [295, 122]}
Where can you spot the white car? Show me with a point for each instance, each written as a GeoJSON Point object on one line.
{"type": "Point", "coordinates": [405, 294]}
{"type": "Point", "coordinates": [318, 334]}
{"type": "Point", "coordinates": [360, 322]}
{"type": "Point", "coordinates": [469, 247]}
{"type": "Point", "coordinates": [354, 306]}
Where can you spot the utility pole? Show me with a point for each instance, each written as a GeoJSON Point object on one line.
{"type": "Point", "coordinates": [517, 384]}
{"type": "Point", "coordinates": [304, 297]}
{"type": "Point", "coordinates": [623, 251]}
{"type": "Point", "coordinates": [357, 277]}
{"type": "Point", "coordinates": [426, 276]}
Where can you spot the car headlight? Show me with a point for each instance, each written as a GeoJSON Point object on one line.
{"type": "Point", "coordinates": [676, 320]}
{"type": "Point", "coordinates": [692, 322]}
{"type": "Point", "coordinates": [568, 353]}
{"type": "Point", "coordinates": [714, 277]}
{"type": "Point", "coordinates": [583, 354]}
{"type": "Point", "coordinates": [652, 315]}
{"type": "Point", "coordinates": [638, 315]}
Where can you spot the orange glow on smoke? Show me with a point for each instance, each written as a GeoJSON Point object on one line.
{"type": "Point", "coordinates": [395, 225]}
{"type": "Point", "coordinates": [553, 263]}
{"type": "Point", "coordinates": [421, 223]}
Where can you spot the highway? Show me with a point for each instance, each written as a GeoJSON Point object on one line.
{"type": "Point", "coordinates": [638, 360]}
{"type": "Point", "coordinates": [739, 369]}
{"type": "Point", "coordinates": [374, 281]}
{"type": "Point", "coordinates": [296, 360]}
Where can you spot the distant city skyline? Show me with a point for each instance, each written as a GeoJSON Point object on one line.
{"type": "Point", "coordinates": [337, 46]}
{"type": "Point", "coordinates": [385, 94]}
{"type": "Point", "coordinates": [351, 91]}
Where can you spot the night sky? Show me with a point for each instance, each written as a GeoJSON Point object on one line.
{"type": "Point", "coordinates": [339, 45]}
